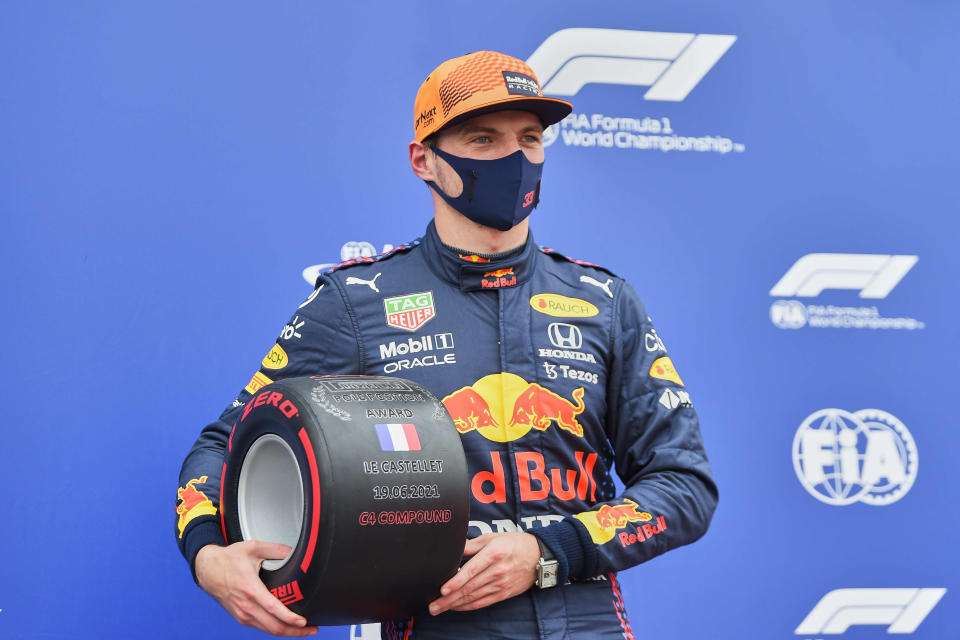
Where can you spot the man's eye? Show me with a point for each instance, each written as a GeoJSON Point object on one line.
{"type": "Point", "coordinates": [531, 138]}
{"type": "Point", "coordinates": [481, 139]}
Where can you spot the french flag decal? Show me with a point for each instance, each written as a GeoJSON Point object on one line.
{"type": "Point", "coordinates": [398, 437]}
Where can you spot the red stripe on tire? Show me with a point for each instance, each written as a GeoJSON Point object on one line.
{"type": "Point", "coordinates": [315, 517]}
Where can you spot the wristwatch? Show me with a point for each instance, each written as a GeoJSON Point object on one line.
{"type": "Point", "coordinates": [547, 567]}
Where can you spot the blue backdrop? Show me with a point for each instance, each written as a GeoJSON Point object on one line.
{"type": "Point", "coordinates": [777, 180]}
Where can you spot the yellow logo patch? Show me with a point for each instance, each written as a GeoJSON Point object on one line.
{"type": "Point", "coordinates": [276, 358]}
{"type": "Point", "coordinates": [257, 382]}
{"type": "Point", "coordinates": [193, 503]}
{"type": "Point", "coordinates": [663, 368]}
{"type": "Point", "coordinates": [604, 523]}
{"type": "Point", "coordinates": [553, 304]}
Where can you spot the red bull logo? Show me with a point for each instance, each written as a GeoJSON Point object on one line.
{"type": "Point", "coordinates": [644, 532]}
{"type": "Point", "coordinates": [498, 279]}
{"type": "Point", "coordinates": [619, 515]}
{"type": "Point", "coordinates": [604, 523]}
{"type": "Point", "coordinates": [469, 411]}
{"type": "Point", "coordinates": [534, 480]}
{"type": "Point", "coordinates": [503, 407]}
{"type": "Point", "coordinates": [538, 407]}
{"type": "Point", "coordinates": [193, 503]}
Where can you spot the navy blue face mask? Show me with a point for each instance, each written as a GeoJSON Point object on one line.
{"type": "Point", "coordinates": [496, 193]}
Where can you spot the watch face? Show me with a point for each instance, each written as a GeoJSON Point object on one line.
{"type": "Point", "coordinates": [547, 573]}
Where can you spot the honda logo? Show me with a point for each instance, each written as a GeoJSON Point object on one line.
{"type": "Point", "coordinates": [565, 336]}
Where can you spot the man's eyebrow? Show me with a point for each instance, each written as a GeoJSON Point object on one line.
{"type": "Point", "coordinates": [475, 128]}
{"type": "Point", "coordinates": [468, 129]}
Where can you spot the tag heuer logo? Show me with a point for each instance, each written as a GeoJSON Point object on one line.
{"type": "Point", "coordinates": [411, 311]}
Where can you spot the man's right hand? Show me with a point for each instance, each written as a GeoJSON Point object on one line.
{"type": "Point", "coordinates": [232, 576]}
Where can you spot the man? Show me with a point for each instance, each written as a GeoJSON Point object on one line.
{"type": "Point", "coordinates": [564, 370]}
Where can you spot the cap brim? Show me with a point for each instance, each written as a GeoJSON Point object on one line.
{"type": "Point", "coordinates": [549, 110]}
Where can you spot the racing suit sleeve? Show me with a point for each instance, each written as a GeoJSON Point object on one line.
{"type": "Point", "coordinates": [318, 339]}
{"type": "Point", "coordinates": [669, 496]}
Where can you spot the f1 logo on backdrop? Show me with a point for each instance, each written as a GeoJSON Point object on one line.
{"type": "Point", "coordinates": [867, 456]}
{"type": "Point", "coordinates": [671, 64]}
{"type": "Point", "coordinates": [873, 276]}
{"type": "Point", "coordinates": [902, 609]}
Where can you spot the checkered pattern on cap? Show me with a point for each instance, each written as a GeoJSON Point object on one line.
{"type": "Point", "coordinates": [481, 72]}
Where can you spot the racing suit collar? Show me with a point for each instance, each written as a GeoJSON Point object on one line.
{"type": "Point", "coordinates": [501, 273]}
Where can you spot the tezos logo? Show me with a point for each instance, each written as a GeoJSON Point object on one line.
{"type": "Point", "coordinates": [867, 456]}
{"type": "Point", "coordinates": [902, 609]}
{"type": "Point", "coordinates": [873, 275]}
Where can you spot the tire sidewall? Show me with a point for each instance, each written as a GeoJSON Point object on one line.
{"type": "Point", "coordinates": [290, 583]}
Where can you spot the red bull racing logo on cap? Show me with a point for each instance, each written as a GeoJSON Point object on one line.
{"type": "Point", "coordinates": [503, 407]}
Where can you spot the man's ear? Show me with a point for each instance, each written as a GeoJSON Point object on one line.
{"type": "Point", "coordinates": [421, 165]}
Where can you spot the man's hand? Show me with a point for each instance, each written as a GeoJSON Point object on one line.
{"type": "Point", "coordinates": [503, 565]}
{"type": "Point", "coordinates": [231, 575]}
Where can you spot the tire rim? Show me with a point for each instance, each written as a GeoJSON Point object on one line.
{"type": "Point", "coordinates": [269, 508]}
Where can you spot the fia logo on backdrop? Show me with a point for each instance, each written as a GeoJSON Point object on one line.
{"type": "Point", "coordinates": [349, 251]}
{"type": "Point", "coordinates": [843, 457]}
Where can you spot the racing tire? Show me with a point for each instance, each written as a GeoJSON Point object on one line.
{"type": "Point", "coordinates": [365, 478]}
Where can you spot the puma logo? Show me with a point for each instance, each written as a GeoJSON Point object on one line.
{"type": "Point", "coordinates": [369, 283]}
{"type": "Point", "coordinates": [603, 285]}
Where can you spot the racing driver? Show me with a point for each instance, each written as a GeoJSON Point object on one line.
{"type": "Point", "coordinates": [550, 368]}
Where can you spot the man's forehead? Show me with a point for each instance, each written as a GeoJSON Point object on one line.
{"type": "Point", "coordinates": [498, 121]}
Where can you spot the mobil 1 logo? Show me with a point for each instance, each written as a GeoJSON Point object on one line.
{"type": "Point", "coordinates": [425, 351]}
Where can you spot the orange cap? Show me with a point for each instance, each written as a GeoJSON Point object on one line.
{"type": "Point", "coordinates": [479, 83]}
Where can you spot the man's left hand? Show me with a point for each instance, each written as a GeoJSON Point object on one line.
{"type": "Point", "coordinates": [503, 565]}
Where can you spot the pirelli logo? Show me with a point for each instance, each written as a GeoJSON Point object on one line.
{"type": "Point", "coordinates": [257, 382]}
{"type": "Point", "coordinates": [288, 593]}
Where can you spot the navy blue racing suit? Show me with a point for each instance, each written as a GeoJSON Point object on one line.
{"type": "Point", "coordinates": [554, 376]}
